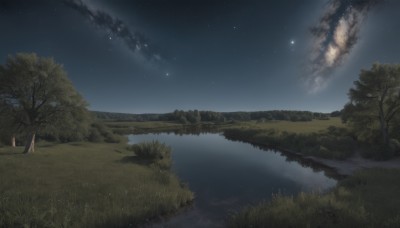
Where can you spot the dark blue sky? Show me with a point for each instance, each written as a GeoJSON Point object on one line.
{"type": "Point", "coordinates": [159, 55]}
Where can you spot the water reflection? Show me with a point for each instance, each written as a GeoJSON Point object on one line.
{"type": "Point", "coordinates": [227, 175]}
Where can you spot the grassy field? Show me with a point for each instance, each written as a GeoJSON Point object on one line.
{"type": "Point", "coordinates": [320, 138]}
{"type": "Point", "coordinates": [293, 127]}
{"type": "Point", "coordinates": [367, 199]}
{"type": "Point", "coordinates": [83, 185]}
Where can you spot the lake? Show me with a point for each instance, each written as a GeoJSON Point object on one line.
{"type": "Point", "coordinates": [228, 175]}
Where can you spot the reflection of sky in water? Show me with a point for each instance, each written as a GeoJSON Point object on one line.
{"type": "Point", "coordinates": [227, 175]}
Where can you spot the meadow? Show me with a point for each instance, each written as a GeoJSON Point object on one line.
{"type": "Point", "coordinates": [84, 185]}
{"type": "Point", "coordinates": [293, 127]}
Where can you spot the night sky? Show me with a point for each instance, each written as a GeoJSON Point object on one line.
{"type": "Point", "coordinates": [155, 56]}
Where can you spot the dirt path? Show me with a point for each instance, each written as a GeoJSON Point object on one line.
{"type": "Point", "coordinates": [349, 166]}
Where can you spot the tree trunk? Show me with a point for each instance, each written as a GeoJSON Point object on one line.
{"type": "Point", "coordinates": [383, 126]}
{"type": "Point", "coordinates": [13, 140]}
{"type": "Point", "coordinates": [385, 133]}
{"type": "Point", "coordinates": [30, 144]}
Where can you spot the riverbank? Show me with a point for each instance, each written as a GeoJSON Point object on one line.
{"type": "Point", "coordinates": [346, 166]}
{"type": "Point", "coordinates": [355, 163]}
{"type": "Point", "coordinates": [338, 154]}
{"type": "Point", "coordinates": [368, 198]}
{"type": "Point", "coordinates": [364, 197]}
{"type": "Point", "coordinates": [84, 185]}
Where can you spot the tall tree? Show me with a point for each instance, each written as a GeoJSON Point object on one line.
{"type": "Point", "coordinates": [36, 94]}
{"type": "Point", "coordinates": [375, 100]}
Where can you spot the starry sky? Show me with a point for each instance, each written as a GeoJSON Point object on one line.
{"type": "Point", "coordinates": [155, 56]}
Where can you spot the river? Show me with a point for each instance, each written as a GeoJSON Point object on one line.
{"type": "Point", "coordinates": [227, 176]}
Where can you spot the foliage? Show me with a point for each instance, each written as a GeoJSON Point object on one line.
{"type": "Point", "coordinates": [367, 199]}
{"type": "Point", "coordinates": [374, 105]}
{"type": "Point", "coordinates": [195, 116]}
{"type": "Point", "coordinates": [99, 132]}
{"type": "Point", "coordinates": [333, 143]}
{"type": "Point", "coordinates": [83, 185]}
{"type": "Point", "coordinates": [157, 153]}
{"type": "Point", "coordinates": [37, 95]}
{"type": "Point", "coordinates": [336, 114]}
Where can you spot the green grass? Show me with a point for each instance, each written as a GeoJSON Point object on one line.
{"type": "Point", "coordinates": [293, 127]}
{"type": "Point", "coordinates": [370, 198]}
{"type": "Point", "coordinates": [329, 142]}
{"type": "Point", "coordinates": [156, 153]}
{"type": "Point", "coordinates": [83, 185]}
{"type": "Point", "coordinates": [379, 190]}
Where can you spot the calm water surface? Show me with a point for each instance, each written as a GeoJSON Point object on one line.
{"type": "Point", "coordinates": [227, 175]}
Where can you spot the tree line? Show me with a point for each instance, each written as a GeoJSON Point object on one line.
{"type": "Point", "coordinates": [196, 116]}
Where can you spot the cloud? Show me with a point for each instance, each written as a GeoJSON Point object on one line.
{"type": "Point", "coordinates": [137, 43]}
{"type": "Point", "coordinates": [334, 36]}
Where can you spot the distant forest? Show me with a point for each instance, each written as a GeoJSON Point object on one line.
{"type": "Point", "coordinates": [195, 116]}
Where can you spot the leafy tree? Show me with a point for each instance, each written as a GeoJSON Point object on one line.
{"type": "Point", "coordinates": [375, 101]}
{"type": "Point", "coordinates": [335, 113]}
{"type": "Point", "coordinates": [37, 95]}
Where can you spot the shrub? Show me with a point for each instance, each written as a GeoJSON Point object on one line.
{"type": "Point", "coordinates": [157, 153]}
{"type": "Point", "coordinates": [99, 132]}
{"type": "Point", "coordinates": [94, 135]}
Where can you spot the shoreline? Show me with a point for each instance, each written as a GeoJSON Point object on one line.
{"type": "Point", "coordinates": [349, 166]}
{"type": "Point", "coordinates": [337, 169]}
{"type": "Point", "coordinates": [341, 168]}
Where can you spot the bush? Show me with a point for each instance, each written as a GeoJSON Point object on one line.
{"type": "Point", "coordinates": [158, 154]}
{"type": "Point", "coordinates": [94, 135]}
{"type": "Point", "coordinates": [99, 132]}
{"type": "Point", "coordinates": [378, 151]}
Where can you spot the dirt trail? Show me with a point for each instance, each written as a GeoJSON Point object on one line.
{"type": "Point", "coordinates": [350, 165]}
